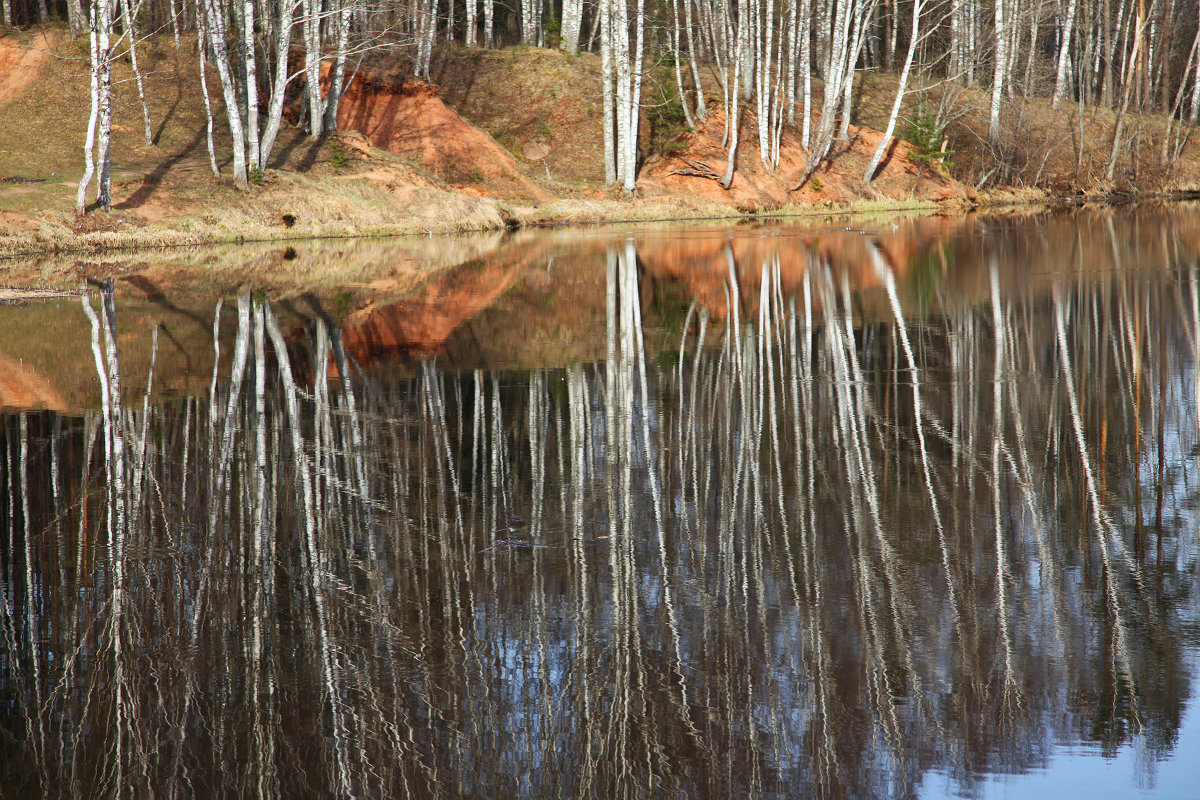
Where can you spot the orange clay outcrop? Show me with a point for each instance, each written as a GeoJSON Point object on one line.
{"type": "Point", "coordinates": [410, 120]}
{"type": "Point", "coordinates": [20, 62]}
{"type": "Point", "coordinates": [754, 186]}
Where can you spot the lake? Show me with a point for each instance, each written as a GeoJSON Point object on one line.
{"type": "Point", "coordinates": [883, 509]}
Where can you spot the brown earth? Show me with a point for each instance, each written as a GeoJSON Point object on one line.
{"type": "Point", "coordinates": [754, 186]}
{"type": "Point", "coordinates": [410, 120]}
{"type": "Point", "coordinates": [19, 66]}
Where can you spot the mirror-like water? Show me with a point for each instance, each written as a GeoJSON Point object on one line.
{"type": "Point", "coordinates": [787, 514]}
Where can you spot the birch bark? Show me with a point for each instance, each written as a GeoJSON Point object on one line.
{"type": "Point", "coordinates": [914, 38]}
{"type": "Point", "coordinates": [215, 23]}
{"type": "Point", "coordinates": [100, 18]}
{"type": "Point", "coordinates": [1000, 70]}
{"type": "Point", "coordinates": [1064, 53]}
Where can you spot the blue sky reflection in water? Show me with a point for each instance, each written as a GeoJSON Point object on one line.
{"type": "Point", "coordinates": [821, 514]}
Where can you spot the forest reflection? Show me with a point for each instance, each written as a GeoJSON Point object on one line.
{"type": "Point", "coordinates": [825, 557]}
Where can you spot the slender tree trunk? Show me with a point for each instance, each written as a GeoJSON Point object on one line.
{"type": "Point", "coordinates": [1195, 107]}
{"type": "Point", "coordinates": [174, 21]}
{"type": "Point", "coordinates": [806, 71]}
{"type": "Point", "coordinates": [606, 78]}
{"type": "Point", "coordinates": [869, 175]}
{"type": "Point", "coordinates": [202, 46]}
{"type": "Point", "coordinates": [99, 63]}
{"type": "Point", "coordinates": [337, 77]}
{"type": "Point", "coordinates": [1130, 77]}
{"type": "Point", "coordinates": [215, 23]}
{"type": "Point", "coordinates": [312, 67]}
{"type": "Point", "coordinates": [1064, 56]}
{"type": "Point", "coordinates": [734, 112]}
{"type": "Point", "coordinates": [253, 153]}
{"type": "Point", "coordinates": [104, 120]}
{"type": "Point", "coordinates": [678, 56]}
{"type": "Point", "coordinates": [999, 72]}
{"type": "Point", "coordinates": [701, 107]}
{"type": "Point", "coordinates": [127, 23]}
{"type": "Point", "coordinates": [283, 46]}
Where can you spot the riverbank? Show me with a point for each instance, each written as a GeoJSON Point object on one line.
{"type": "Point", "coordinates": [504, 141]}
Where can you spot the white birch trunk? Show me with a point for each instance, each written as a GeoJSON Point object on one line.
{"type": "Point", "coordinates": [104, 120]}
{"type": "Point", "coordinates": [998, 73]}
{"type": "Point", "coordinates": [127, 23]}
{"type": "Point", "coordinates": [635, 104]}
{"type": "Point", "coordinates": [806, 71]}
{"type": "Point", "coordinates": [470, 39]}
{"type": "Point", "coordinates": [283, 45]}
{"type": "Point", "coordinates": [220, 54]}
{"type": "Point", "coordinates": [606, 78]}
{"type": "Point", "coordinates": [89, 162]}
{"type": "Point", "coordinates": [624, 93]}
{"type": "Point", "coordinates": [764, 43]}
{"type": "Point", "coordinates": [732, 109]}
{"type": "Point", "coordinates": [1195, 108]}
{"type": "Point", "coordinates": [678, 56]}
{"type": "Point", "coordinates": [915, 37]}
{"type": "Point", "coordinates": [701, 106]}
{"type": "Point", "coordinates": [1064, 53]}
{"type": "Point", "coordinates": [253, 154]}
{"type": "Point", "coordinates": [337, 77]}
{"type": "Point", "coordinates": [312, 67]}
{"type": "Point", "coordinates": [202, 45]}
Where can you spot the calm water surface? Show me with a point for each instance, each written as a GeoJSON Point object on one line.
{"type": "Point", "coordinates": [911, 511]}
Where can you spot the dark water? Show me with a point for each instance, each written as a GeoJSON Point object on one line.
{"type": "Point", "coordinates": [904, 513]}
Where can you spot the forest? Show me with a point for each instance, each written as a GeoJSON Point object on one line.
{"type": "Point", "coordinates": [767, 66]}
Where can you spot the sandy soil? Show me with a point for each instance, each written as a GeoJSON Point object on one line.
{"type": "Point", "coordinates": [20, 64]}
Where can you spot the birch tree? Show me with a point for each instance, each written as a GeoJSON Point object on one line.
{"type": "Point", "coordinates": [1064, 53]}
{"type": "Point", "coordinates": [626, 74]}
{"type": "Point", "coordinates": [885, 140]}
{"type": "Point", "coordinates": [98, 139]}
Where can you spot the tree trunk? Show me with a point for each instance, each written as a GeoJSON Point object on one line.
{"type": "Point", "coordinates": [572, 21]}
{"type": "Point", "coordinates": [678, 56]}
{"type": "Point", "coordinates": [100, 63]}
{"type": "Point", "coordinates": [104, 120]}
{"type": "Point", "coordinates": [283, 45]}
{"type": "Point", "coordinates": [869, 175]}
{"type": "Point", "coordinates": [999, 72]}
{"type": "Point", "coordinates": [337, 77]}
{"type": "Point", "coordinates": [1195, 108]}
{"type": "Point", "coordinates": [217, 38]}
{"type": "Point", "coordinates": [312, 67]}
{"type": "Point", "coordinates": [606, 79]}
{"type": "Point", "coordinates": [701, 107]}
{"type": "Point", "coordinates": [1064, 57]}
{"type": "Point", "coordinates": [127, 23]}
{"type": "Point", "coordinates": [202, 46]}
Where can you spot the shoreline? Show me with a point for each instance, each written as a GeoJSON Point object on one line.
{"type": "Point", "coordinates": [16, 246]}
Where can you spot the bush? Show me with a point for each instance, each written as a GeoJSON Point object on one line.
{"type": "Point", "coordinates": [926, 134]}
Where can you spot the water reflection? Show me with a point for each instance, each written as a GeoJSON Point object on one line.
{"type": "Point", "coordinates": [817, 547]}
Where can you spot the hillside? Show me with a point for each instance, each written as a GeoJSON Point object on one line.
{"type": "Point", "coordinates": [501, 138]}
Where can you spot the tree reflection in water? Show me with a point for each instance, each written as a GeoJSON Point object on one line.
{"type": "Point", "coordinates": [822, 557]}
